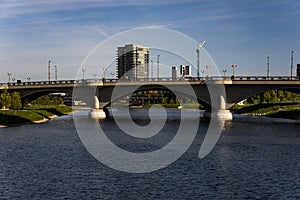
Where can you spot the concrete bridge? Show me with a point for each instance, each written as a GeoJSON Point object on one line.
{"type": "Point", "coordinates": [207, 90]}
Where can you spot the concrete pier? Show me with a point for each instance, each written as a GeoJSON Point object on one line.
{"type": "Point", "coordinates": [220, 114]}
{"type": "Point", "coordinates": [97, 112]}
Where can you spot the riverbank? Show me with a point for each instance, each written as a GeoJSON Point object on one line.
{"type": "Point", "coordinates": [272, 110]}
{"type": "Point", "coordinates": [32, 115]}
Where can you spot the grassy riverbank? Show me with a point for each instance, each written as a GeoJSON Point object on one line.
{"type": "Point", "coordinates": [32, 114]}
{"type": "Point", "coordinates": [277, 110]}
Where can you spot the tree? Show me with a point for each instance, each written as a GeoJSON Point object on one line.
{"type": "Point", "coordinates": [267, 96]}
{"type": "Point", "coordinates": [5, 99]}
{"type": "Point", "coordinates": [16, 103]}
{"type": "Point", "coordinates": [280, 95]}
{"type": "Point", "coordinates": [273, 96]}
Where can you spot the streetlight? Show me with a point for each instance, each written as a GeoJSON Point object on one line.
{"type": "Point", "coordinates": [268, 67]}
{"type": "Point", "coordinates": [83, 71]}
{"type": "Point", "coordinates": [292, 62]}
{"type": "Point", "coordinates": [207, 67]}
{"type": "Point", "coordinates": [233, 66]}
{"type": "Point", "coordinates": [55, 72]}
{"type": "Point", "coordinates": [224, 71]}
{"type": "Point", "coordinates": [112, 75]}
{"type": "Point", "coordinates": [49, 64]}
{"type": "Point", "coordinates": [202, 71]}
{"type": "Point", "coordinates": [9, 75]}
{"type": "Point", "coordinates": [198, 58]}
{"type": "Point", "coordinates": [104, 70]}
{"type": "Point", "coordinates": [158, 66]}
{"type": "Point", "coordinates": [13, 79]}
{"type": "Point", "coordinates": [151, 68]}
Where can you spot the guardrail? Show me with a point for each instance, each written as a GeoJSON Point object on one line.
{"type": "Point", "coordinates": [163, 79]}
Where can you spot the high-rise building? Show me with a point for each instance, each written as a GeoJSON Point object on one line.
{"type": "Point", "coordinates": [298, 70]}
{"type": "Point", "coordinates": [174, 73]}
{"type": "Point", "coordinates": [185, 70]}
{"type": "Point", "coordinates": [132, 62]}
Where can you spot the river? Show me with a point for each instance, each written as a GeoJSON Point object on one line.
{"type": "Point", "coordinates": [251, 160]}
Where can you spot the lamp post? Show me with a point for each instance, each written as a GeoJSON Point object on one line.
{"type": "Point", "coordinates": [233, 67]}
{"type": "Point", "coordinates": [198, 58]}
{"type": "Point", "coordinates": [158, 66]}
{"type": "Point", "coordinates": [13, 79]}
{"type": "Point", "coordinates": [9, 75]}
{"type": "Point", "coordinates": [83, 71]}
{"type": "Point", "coordinates": [207, 67]}
{"type": "Point", "coordinates": [112, 75]}
{"type": "Point", "coordinates": [202, 71]}
{"type": "Point", "coordinates": [151, 69]}
{"type": "Point", "coordinates": [49, 64]}
{"type": "Point", "coordinates": [55, 72]}
{"type": "Point", "coordinates": [224, 71]}
{"type": "Point", "coordinates": [292, 62]}
{"type": "Point", "coordinates": [104, 70]}
{"type": "Point", "coordinates": [268, 67]}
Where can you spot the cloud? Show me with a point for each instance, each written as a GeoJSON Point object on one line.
{"type": "Point", "coordinates": [13, 9]}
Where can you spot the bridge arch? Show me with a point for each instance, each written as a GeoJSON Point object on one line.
{"type": "Point", "coordinates": [105, 96]}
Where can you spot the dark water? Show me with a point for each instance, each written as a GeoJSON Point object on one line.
{"type": "Point", "coordinates": [250, 161]}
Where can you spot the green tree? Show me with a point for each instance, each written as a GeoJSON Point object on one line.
{"type": "Point", "coordinates": [5, 99]}
{"type": "Point", "coordinates": [273, 96]}
{"type": "Point", "coordinates": [172, 101]}
{"type": "Point", "coordinates": [267, 96]}
{"type": "Point", "coordinates": [280, 95]}
{"type": "Point", "coordinates": [16, 103]}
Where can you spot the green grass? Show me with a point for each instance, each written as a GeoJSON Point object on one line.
{"type": "Point", "coordinates": [31, 114]}
{"type": "Point", "coordinates": [277, 110]}
{"type": "Point", "coordinates": [9, 117]}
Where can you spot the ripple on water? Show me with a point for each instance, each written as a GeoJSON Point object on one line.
{"type": "Point", "coordinates": [250, 161]}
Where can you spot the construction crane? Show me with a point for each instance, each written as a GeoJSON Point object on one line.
{"type": "Point", "coordinates": [198, 58]}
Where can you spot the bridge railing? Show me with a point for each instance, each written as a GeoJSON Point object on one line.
{"type": "Point", "coordinates": [258, 78]}
{"type": "Point", "coordinates": [162, 79]}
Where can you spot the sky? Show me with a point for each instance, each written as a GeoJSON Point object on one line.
{"type": "Point", "coordinates": [237, 32]}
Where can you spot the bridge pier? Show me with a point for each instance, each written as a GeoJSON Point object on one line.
{"type": "Point", "coordinates": [97, 112]}
{"type": "Point", "coordinates": [220, 112]}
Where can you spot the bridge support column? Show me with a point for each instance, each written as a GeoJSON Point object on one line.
{"type": "Point", "coordinates": [220, 112]}
{"type": "Point", "coordinates": [97, 112]}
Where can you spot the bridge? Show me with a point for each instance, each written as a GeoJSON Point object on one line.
{"type": "Point", "coordinates": [207, 90]}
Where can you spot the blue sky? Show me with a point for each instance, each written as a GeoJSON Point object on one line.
{"type": "Point", "coordinates": [243, 32]}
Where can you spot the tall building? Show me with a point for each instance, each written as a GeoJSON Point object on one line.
{"type": "Point", "coordinates": [185, 70]}
{"type": "Point", "coordinates": [298, 70]}
{"type": "Point", "coordinates": [132, 62]}
{"type": "Point", "coordinates": [174, 73]}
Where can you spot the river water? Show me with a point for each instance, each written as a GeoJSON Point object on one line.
{"type": "Point", "coordinates": [251, 160]}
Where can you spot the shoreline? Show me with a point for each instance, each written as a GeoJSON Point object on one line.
{"type": "Point", "coordinates": [236, 118]}
{"type": "Point", "coordinates": [44, 115]}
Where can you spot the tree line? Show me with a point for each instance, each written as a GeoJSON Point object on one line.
{"type": "Point", "coordinates": [13, 101]}
{"type": "Point", "coordinates": [274, 96]}
{"type": "Point", "coordinates": [10, 101]}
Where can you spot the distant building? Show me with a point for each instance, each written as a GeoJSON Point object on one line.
{"type": "Point", "coordinates": [132, 62]}
{"type": "Point", "coordinates": [298, 70]}
{"type": "Point", "coordinates": [174, 73]}
{"type": "Point", "coordinates": [185, 70]}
